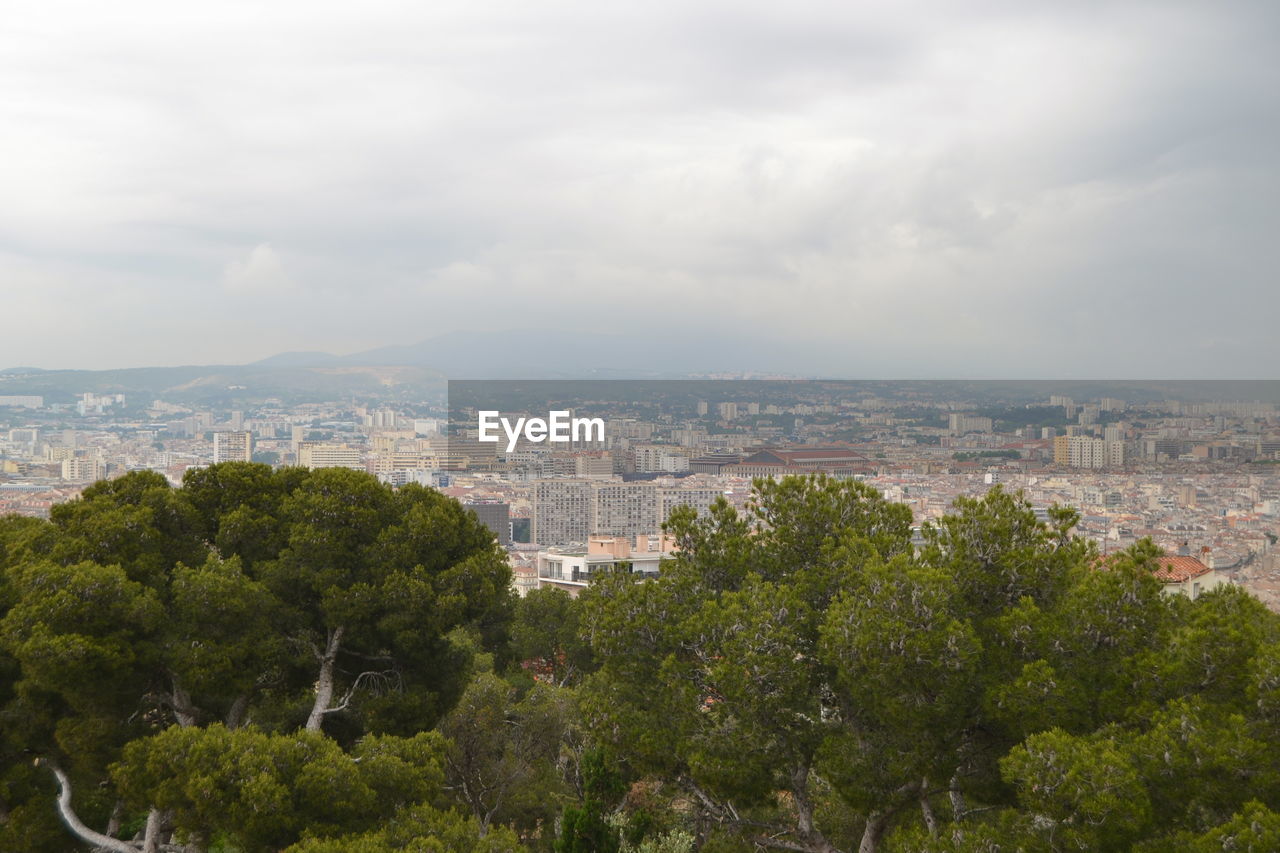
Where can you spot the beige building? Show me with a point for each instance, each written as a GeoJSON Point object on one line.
{"type": "Point", "coordinates": [83, 469]}
{"type": "Point", "coordinates": [318, 455]}
{"type": "Point", "coordinates": [232, 447]}
{"type": "Point", "coordinates": [659, 459]}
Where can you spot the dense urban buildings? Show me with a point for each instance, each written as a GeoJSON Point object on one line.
{"type": "Point", "coordinates": [1200, 477]}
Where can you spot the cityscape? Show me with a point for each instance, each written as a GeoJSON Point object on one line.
{"type": "Point", "coordinates": [678, 427]}
{"type": "Point", "coordinates": [1199, 477]}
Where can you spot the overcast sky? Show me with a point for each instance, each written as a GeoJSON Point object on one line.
{"type": "Point", "coordinates": [909, 188]}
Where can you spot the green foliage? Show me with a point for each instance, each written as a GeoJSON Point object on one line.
{"type": "Point", "coordinates": [799, 676]}
{"type": "Point", "coordinates": [1255, 829]}
{"type": "Point", "coordinates": [906, 676]}
{"type": "Point", "coordinates": [421, 829]}
{"type": "Point", "coordinates": [501, 761]}
{"type": "Point", "coordinates": [1086, 787]}
{"type": "Point", "coordinates": [262, 791]}
{"type": "Point", "coordinates": [546, 636]}
{"type": "Point", "coordinates": [799, 673]}
{"type": "Point", "coordinates": [227, 601]}
{"type": "Point", "coordinates": [587, 828]}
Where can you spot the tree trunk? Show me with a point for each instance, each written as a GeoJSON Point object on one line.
{"type": "Point", "coordinates": [926, 810]}
{"type": "Point", "coordinates": [871, 835]}
{"type": "Point", "coordinates": [117, 815]}
{"type": "Point", "coordinates": [151, 838]}
{"type": "Point", "coordinates": [958, 808]}
{"type": "Point", "coordinates": [324, 684]}
{"type": "Point", "coordinates": [77, 827]}
{"type": "Point", "coordinates": [183, 711]}
{"type": "Point", "coordinates": [239, 708]}
{"type": "Point", "coordinates": [804, 812]}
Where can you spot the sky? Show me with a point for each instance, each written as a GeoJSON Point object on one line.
{"type": "Point", "coordinates": [906, 189]}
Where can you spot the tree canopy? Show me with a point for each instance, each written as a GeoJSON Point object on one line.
{"type": "Point", "coordinates": [156, 639]}
{"type": "Point", "coordinates": [266, 660]}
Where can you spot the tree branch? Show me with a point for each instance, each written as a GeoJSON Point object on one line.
{"type": "Point", "coordinates": [73, 823]}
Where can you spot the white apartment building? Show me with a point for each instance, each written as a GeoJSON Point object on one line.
{"type": "Point", "coordinates": [572, 570]}
{"type": "Point", "coordinates": [659, 459]}
{"type": "Point", "coordinates": [699, 499]}
{"type": "Point", "coordinates": [562, 511]}
{"type": "Point", "coordinates": [569, 511]}
{"type": "Point", "coordinates": [960, 424]}
{"type": "Point", "coordinates": [624, 509]}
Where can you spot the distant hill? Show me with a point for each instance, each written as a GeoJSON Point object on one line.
{"type": "Point", "coordinates": [299, 359]}
{"type": "Point", "coordinates": [234, 385]}
{"type": "Point", "coordinates": [418, 371]}
{"type": "Point", "coordinates": [552, 354]}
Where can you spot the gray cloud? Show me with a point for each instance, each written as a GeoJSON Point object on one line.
{"type": "Point", "coordinates": [937, 189]}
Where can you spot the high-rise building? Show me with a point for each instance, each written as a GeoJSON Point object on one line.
{"type": "Point", "coordinates": [699, 499]}
{"type": "Point", "coordinates": [659, 459]}
{"type": "Point", "coordinates": [562, 511]}
{"type": "Point", "coordinates": [959, 424]}
{"type": "Point", "coordinates": [1082, 451]}
{"type": "Point", "coordinates": [232, 447]}
{"type": "Point", "coordinates": [83, 469]}
{"type": "Point", "coordinates": [569, 511]}
{"type": "Point", "coordinates": [624, 509]}
{"type": "Point", "coordinates": [496, 516]}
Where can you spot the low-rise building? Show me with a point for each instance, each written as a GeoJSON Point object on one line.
{"type": "Point", "coordinates": [1182, 575]}
{"type": "Point", "coordinates": [572, 570]}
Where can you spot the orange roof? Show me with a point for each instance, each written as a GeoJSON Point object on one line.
{"type": "Point", "coordinates": [1180, 569]}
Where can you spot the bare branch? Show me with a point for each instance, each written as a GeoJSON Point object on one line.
{"type": "Point", "coordinates": [73, 823]}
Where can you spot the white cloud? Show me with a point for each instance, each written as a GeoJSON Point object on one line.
{"type": "Point", "coordinates": [259, 272]}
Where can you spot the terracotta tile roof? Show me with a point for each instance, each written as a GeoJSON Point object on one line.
{"type": "Point", "coordinates": [1180, 569]}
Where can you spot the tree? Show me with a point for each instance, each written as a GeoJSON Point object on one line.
{"type": "Point", "coordinates": [712, 676]}
{"type": "Point", "coordinates": [584, 829]}
{"type": "Point", "coordinates": [504, 751]}
{"type": "Point", "coordinates": [809, 682]}
{"type": "Point", "coordinates": [279, 599]}
{"type": "Point", "coordinates": [546, 636]}
{"type": "Point", "coordinates": [263, 791]}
